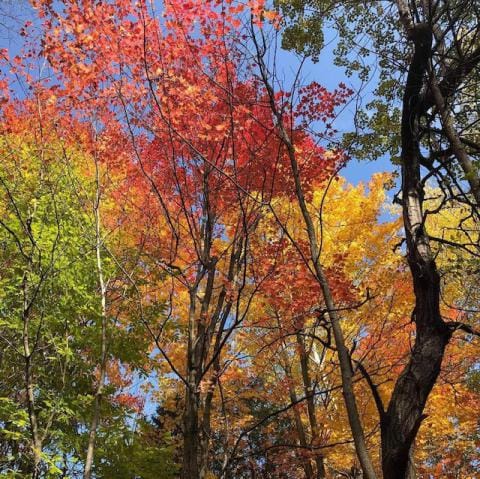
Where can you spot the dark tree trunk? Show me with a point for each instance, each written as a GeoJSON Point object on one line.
{"type": "Point", "coordinates": [191, 437]}
{"type": "Point", "coordinates": [400, 423]}
{"type": "Point", "coordinates": [190, 440]}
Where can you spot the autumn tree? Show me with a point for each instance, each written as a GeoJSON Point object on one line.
{"type": "Point", "coordinates": [197, 163]}
{"type": "Point", "coordinates": [173, 210]}
{"type": "Point", "coordinates": [62, 326]}
{"type": "Point", "coordinates": [441, 69]}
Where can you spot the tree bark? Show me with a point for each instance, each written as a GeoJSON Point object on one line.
{"type": "Point", "coordinates": [405, 412]}
{"type": "Point", "coordinates": [191, 436]}
{"type": "Point", "coordinates": [302, 436]}
{"type": "Point", "coordinates": [307, 384]}
{"type": "Point", "coordinates": [206, 341]}
{"type": "Point", "coordinates": [190, 466]}
{"type": "Point", "coordinates": [28, 353]}
{"type": "Point", "coordinates": [87, 471]}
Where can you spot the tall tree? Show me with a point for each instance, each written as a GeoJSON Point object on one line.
{"type": "Point", "coordinates": [441, 69]}
{"type": "Point", "coordinates": [176, 236]}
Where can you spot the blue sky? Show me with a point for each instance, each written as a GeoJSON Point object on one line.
{"type": "Point", "coordinates": [326, 73]}
{"type": "Point", "coordinates": [329, 75]}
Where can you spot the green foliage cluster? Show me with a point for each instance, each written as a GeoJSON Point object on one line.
{"type": "Point", "coordinates": [50, 318]}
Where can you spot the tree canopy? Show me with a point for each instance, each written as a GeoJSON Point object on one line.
{"type": "Point", "coordinates": [191, 286]}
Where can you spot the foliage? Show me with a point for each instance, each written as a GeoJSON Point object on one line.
{"type": "Point", "coordinates": [154, 253]}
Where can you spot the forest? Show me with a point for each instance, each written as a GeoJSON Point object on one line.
{"type": "Point", "coordinates": [239, 239]}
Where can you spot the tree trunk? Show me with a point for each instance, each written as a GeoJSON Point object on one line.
{"type": "Point", "coordinates": [302, 437]}
{"type": "Point", "coordinates": [191, 439]}
{"type": "Point", "coordinates": [307, 384]}
{"type": "Point", "coordinates": [198, 404]}
{"type": "Point", "coordinates": [28, 354]}
{"type": "Point", "coordinates": [206, 421]}
{"type": "Point", "coordinates": [401, 422]}
{"type": "Point", "coordinates": [343, 354]}
{"type": "Point", "coordinates": [342, 351]}
{"type": "Point", "coordinates": [87, 472]}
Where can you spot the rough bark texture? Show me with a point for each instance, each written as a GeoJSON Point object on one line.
{"type": "Point", "coordinates": [405, 412]}
{"type": "Point", "coordinates": [191, 439]}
